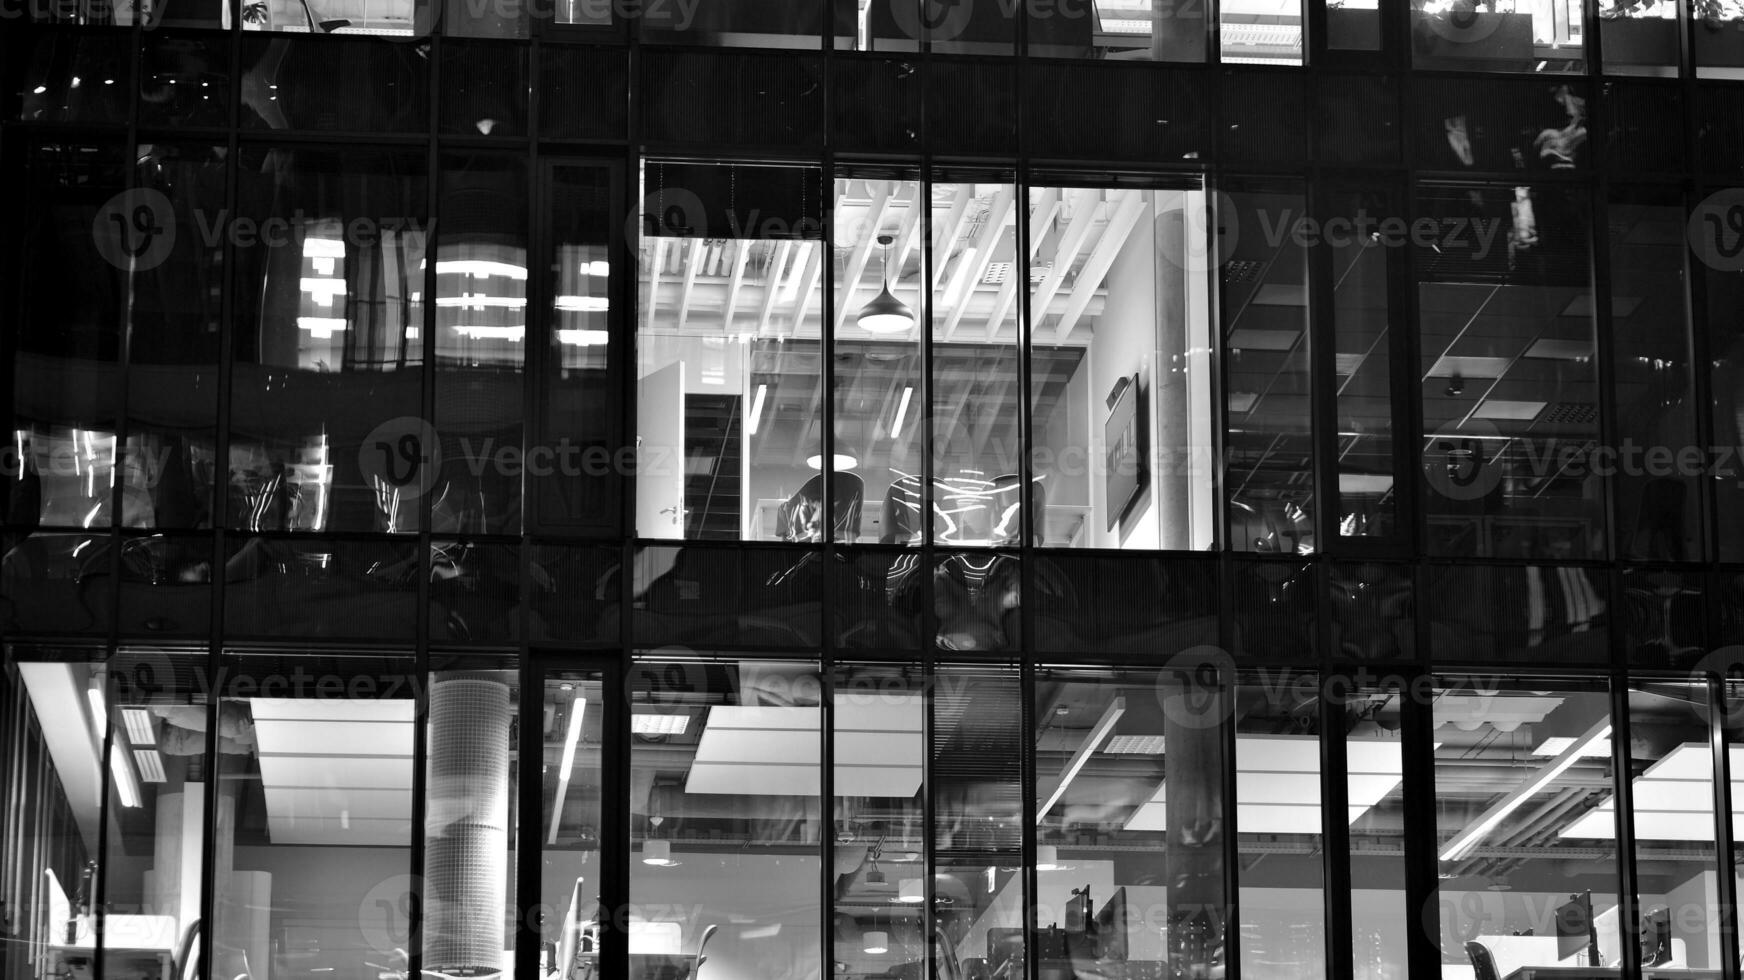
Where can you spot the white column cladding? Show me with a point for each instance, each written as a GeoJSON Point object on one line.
{"type": "Point", "coordinates": [466, 842]}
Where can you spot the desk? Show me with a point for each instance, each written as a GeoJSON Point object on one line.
{"type": "Point", "coordinates": [118, 963]}
{"type": "Point", "coordinates": [1610, 973]}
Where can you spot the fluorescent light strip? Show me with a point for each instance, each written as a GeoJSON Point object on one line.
{"type": "Point", "coordinates": [150, 765]}
{"type": "Point", "coordinates": [126, 783]}
{"type": "Point", "coordinates": [757, 408]}
{"type": "Point", "coordinates": [139, 730]}
{"type": "Point", "coordinates": [901, 410]}
{"type": "Point", "coordinates": [1468, 838]}
{"type": "Point", "coordinates": [578, 710]}
{"type": "Point", "coordinates": [1109, 718]}
{"type": "Point", "coordinates": [658, 724]}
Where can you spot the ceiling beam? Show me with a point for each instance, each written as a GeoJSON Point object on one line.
{"type": "Point", "coordinates": [973, 267]}
{"type": "Point", "coordinates": [947, 231]}
{"type": "Point", "coordinates": [693, 265]}
{"type": "Point", "coordinates": [1125, 213]}
{"type": "Point", "coordinates": [808, 280]}
{"type": "Point", "coordinates": [1047, 205]}
{"type": "Point", "coordinates": [1092, 741]}
{"type": "Point", "coordinates": [659, 259]}
{"type": "Point", "coordinates": [1077, 232]}
{"type": "Point", "coordinates": [772, 285]}
{"type": "Point", "coordinates": [741, 252]}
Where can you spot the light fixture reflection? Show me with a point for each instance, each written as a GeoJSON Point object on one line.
{"type": "Point", "coordinates": [877, 942]}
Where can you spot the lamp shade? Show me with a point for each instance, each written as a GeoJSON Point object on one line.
{"type": "Point", "coordinates": [911, 890]}
{"type": "Point", "coordinates": [841, 462]}
{"type": "Point", "coordinates": [877, 942]}
{"type": "Point", "coordinates": [657, 853]}
{"type": "Point", "coordinates": [886, 314]}
{"type": "Point", "coordinates": [1047, 857]}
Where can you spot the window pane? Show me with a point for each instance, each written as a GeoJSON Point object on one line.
{"type": "Point", "coordinates": [1510, 403]}
{"type": "Point", "coordinates": [1657, 482]}
{"type": "Point", "coordinates": [1261, 32]}
{"type": "Point", "coordinates": [1527, 847]}
{"type": "Point", "coordinates": [1369, 461]}
{"type": "Point", "coordinates": [1639, 37]}
{"type": "Point", "coordinates": [726, 827]}
{"type": "Point", "coordinates": [1715, 244]}
{"type": "Point", "coordinates": [172, 397]}
{"type": "Point", "coordinates": [1120, 369]}
{"type": "Point", "coordinates": [155, 707]}
{"type": "Point", "coordinates": [1539, 613]}
{"type": "Point", "coordinates": [1130, 836]}
{"type": "Point", "coordinates": [481, 328]}
{"type": "Point", "coordinates": [570, 817]}
{"type": "Point", "coordinates": [315, 811]}
{"type": "Point", "coordinates": [743, 23]}
{"type": "Point", "coordinates": [1278, 825]}
{"type": "Point", "coordinates": [1269, 474]}
{"type": "Point", "coordinates": [469, 821]}
{"type": "Point", "coordinates": [1672, 780]}
{"type": "Point", "coordinates": [325, 430]}
{"type": "Point", "coordinates": [67, 343]}
{"type": "Point", "coordinates": [977, 494]}
{"type": "Point", "coordinates": [731, 288]}
{"type": "Point", "coordinates": [977, 784]}
{"type": "Point", "coordinates": [1375, 795]}
{"type": "Point", "coordinates": [579, 418]}
{"type": "Point", "coordinates": [878, 366]}
{"type": "Point", "coordinates": [880, 851]}
{"type": "Point", "coordinates": [51, 793]}
{"type": "Point", "coordinates": [1509, 35]}
{"type": "Point", "coordinates": [1719, 42]}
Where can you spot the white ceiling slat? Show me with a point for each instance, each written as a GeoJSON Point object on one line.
{"type": "Point", "coordinates": [1046, 206]}
{"type": "Point", "coordinates": [907, 235]}
{"type": "Point", "coordinates": [693, 265]}
{"type": "Point", "coordinates": [808, 280]}
{"type": "Point", "coordinates": [772, 285]}
{"type": "Point", "coordinates": [862, 252]}
{"type": "Point", "coordinates": [1127, 210]}
{"type": "Point", "coordinates": [1077, 232]}
{"type": "Point", "coordinates": [335, 772]}
{"type": "Point", "coordinates": [945, 233]}
{"type": "Point", "coordinates": [658, 259]}
{"type": "Point", "coordinates": [973, 268]}
{"type": "Point", "coordinates": [741, 252]}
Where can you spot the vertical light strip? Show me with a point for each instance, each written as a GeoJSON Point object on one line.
{"type": "Point", "coordinates": [757, 409]}
{"type": "Point", "coordinates": [578, 710]}
{"type": "Point", "coordinates": [901, 411]}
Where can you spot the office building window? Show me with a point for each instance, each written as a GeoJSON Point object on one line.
{"type": "Point", "coordinates": [1120, 368]}
{"type": "Point", "coordinates": [1526, 843]}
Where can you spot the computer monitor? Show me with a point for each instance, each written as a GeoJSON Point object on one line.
{"type": "Point", "coordinates": [570, 940]}
{"type": "Point", "coordinates": [1111, 926]}
{"type": "Point", "coordinates": [1078, 910]}
{"type": "Point", "coordinates": [1576, 930]}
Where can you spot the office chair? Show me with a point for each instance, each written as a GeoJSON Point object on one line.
{"type": "Point", "coordinates": [1483, 964]}
{"type": "Point", "coordinates": [701, 944]}
{"type": "Point", "coordinates": [187, 965]}
{"type": "Point", "coordinates": [1656, 937]}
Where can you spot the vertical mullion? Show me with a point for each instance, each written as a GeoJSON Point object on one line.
{"type": "Point", "coordinates": [1423, 933]}
{"type": "Point", "coordinates": [529, 789]}
{"type": "Point", "coordinates": [1027, 873]}
{"type": "Point", "coordinates": [1622, 771]}
{"type": "Point", "coordinates": [929, 848]}
{"type": "Point", "coordinates": [1335, 830]}
{"type": "Point", "coordinates": [1727, 892]}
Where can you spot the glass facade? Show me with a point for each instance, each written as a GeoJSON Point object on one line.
{"type": "Point", "coordinates": [1001, 490]}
